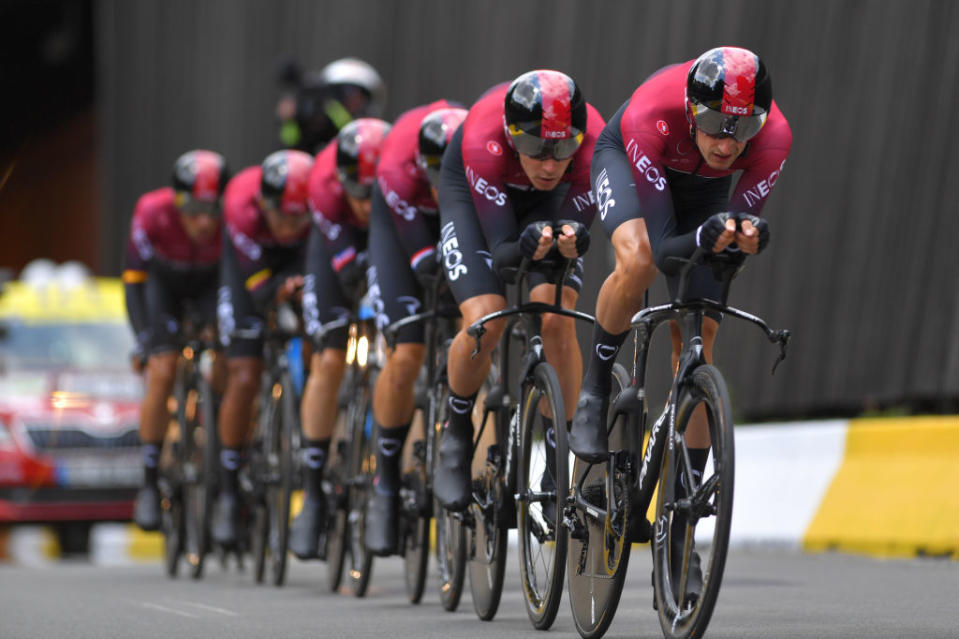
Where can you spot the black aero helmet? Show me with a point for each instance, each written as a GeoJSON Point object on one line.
{"type": "Point", "coordinates": [435, 132]}
{"type": "Point", "coordinates": [358, 147]}
{"type": "Point", "coordinates": [545, 114]}
{"type": "Point", "coordinates": [199, 177]}
{"type": "Point", "coordinates": [284, 184]}
{"type": "Point", "coordinates": [728, 93]}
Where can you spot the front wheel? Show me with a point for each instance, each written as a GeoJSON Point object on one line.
{"type": "Point", "coordinates": [361, 482]}
{"type": "Point", "coordinates": [598, 550]}
{"type": "Point", "coordinates": [337, 496]}
{"type": "Point", "coordinates": [692, 526]}
{"type": "Point", "coordinates": [416, 516]}
{"type": "Point", "coordinates": [450, 532]}
{"type": "Point", "coordinates": [543, 475]}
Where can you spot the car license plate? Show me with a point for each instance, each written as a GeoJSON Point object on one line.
{"type": "Point", "coordinates": [99, 472]}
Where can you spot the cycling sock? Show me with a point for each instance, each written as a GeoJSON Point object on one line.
{"type": "Point", "coordinates": [229, 469]}
{"type": "Point", "coordinates": [389, 445]}
{"type": "Point", "coordinates": [151, 461]}
{"type": "Point", "coordinates": [315, 452]}
{"type": "Point", "coordinates": [461, 413]}
{"type": "Point", "coordinates": [603, 356]}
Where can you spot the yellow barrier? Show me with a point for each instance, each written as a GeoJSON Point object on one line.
{"type": "Point", "coordinates": [896, 493]}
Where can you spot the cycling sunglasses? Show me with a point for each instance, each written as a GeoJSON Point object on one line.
{"type": "Point", "coordinates": [354, 187]}
{"type": "Point", "coordinates": [195, 208]}
{"type": "Point", "coordinates": [544, 148]}
{"type": "Point", "coordinates": [719, 125]}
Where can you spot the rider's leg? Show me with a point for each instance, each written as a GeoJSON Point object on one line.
{"type": "Point", "coordinates": [154, 417]}
{"type": "Point", "coordinates": [466, 375]}
{"type": "Point", "coordinates": [560, 343]}
{"type": "Point", "coordinates": [319, 412]}
{"type": "Point", "coordinates": [393, 406]}
{"type": "Point", "coordinates": [236, 415]}
{"type": "Point", "coordinates": [620, 297]}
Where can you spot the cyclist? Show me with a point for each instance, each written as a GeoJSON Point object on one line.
{"type": "Point", "coordinates": [339, 198]}
{"type": "Point", "coordinates": [517, 165]}
{"type": "Point", "coordinates": [404, 230]}
{"type": "Point", "coordinates": [173, 255]}
{"type": "Point", "coordinates": [661, 174]}
{"type": "Point", "coordinates": [267, 223]}
{"type": "Point", "coordinates": [318, 104]}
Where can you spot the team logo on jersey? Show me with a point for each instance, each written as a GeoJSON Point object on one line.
{"type": "Point", "coordinates": [662, 127]}
{"type": "Point", "coordinates": [494, 147]}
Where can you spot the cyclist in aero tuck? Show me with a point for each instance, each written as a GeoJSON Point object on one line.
{"type": "Point", "coordinates": [267, 223]}
{"type": "Point", "coordinates": [339, 197]}
{"type": "Point", "coordinates": [517, 166]}
{"type": "Point", "coordinates": [404, 230]}
{"type": "Point", "coordinates": [661, 174]}
{"type": "Point", "coordinates": [173, 255]}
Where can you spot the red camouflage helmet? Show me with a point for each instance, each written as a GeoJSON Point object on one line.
{"type": "Point", "coordinates": [284, 185]}
{"type": "Point", "coordinates": [545, 114]}
{"type": "Point", "coordinates": [199, 176]}
{"type": "Point", "coordinates": [358, 147]}
{"type": "Point", "coordinates": [728, 93]}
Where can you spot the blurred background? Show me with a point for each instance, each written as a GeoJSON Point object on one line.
{"type": "Point", "coordinates": [100, 97]}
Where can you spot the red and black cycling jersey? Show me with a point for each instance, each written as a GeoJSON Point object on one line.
{"type": "Point", "coordinates": [405, 187]}
{"type": "Point", "coordinates": [159, 244]}
{"type": "Point", "coordinates": [491, 165]}
{"type": "Point", "coordinates": [344, 234]}
{"type": "Point", "coordinates": [258, 252]}
{"type": "Point", "coordinates": [656, 138]}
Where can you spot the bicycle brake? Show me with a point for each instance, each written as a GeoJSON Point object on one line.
{"type": "Point", "coordinates": [782, 338]}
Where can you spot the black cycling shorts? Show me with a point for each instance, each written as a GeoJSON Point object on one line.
{"type": "Point", "coordinates": [170, 296]}
{"type": "Point", "coordinates": [324, 299]}
{"type": "Point", "coordinates": [393, 289]}
{"type": "Point", "coordinates": [694, 200]}
{"type": "Point", "coordinates": [466, 257]}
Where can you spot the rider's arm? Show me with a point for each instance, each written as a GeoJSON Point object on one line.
{"type": "Point", "coordinates": [494, 211]}
{"type": "Point", "coordinates": [135, 273]}
{"type": "Point", "coordinates": [340, 241]}
{"type": "Point", "coordinates": [766, 159]}
{"type": "Point", "coordinates": [414, 233]}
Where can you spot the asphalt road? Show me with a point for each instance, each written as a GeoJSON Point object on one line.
{"type": "Point", "coordinates": [766, 593]}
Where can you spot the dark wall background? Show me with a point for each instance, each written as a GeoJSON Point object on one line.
{"type": "Point", "coordinates": [862, 266]}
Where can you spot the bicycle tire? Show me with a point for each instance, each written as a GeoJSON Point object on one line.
{"type": "Point", "coordinates": [416, 514]}
{"type": "Point", "coordinates": [540, 547]}
{"type": "Point", "coordinates": [171, 525]}
{"type": "Point", "coordinates": [450, 533]}
{"type": "Point", "coordinates": [595, 576]}
{"type": "Point", "coordinates": [680, 621]}
{"type": "Point", "coordinates": [337, 500]}
{"type": "Point", "coordinates": [260, 473]}
{"type": "Point", "coordinates": [361, 475]}
{"type": "Point", "coordinates": [486, 539]}
{"type": "Point", "coordinates": [281, 491]}
{"type": "Point", "coordinates": [415, 519]}
{"type": "Point", "coordinates": [197, 495]}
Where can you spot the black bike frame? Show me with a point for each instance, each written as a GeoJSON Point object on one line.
{"type": "Point", "coordinates": [529, 316]}
{"type": "Point", "coordinates": [631, 403]}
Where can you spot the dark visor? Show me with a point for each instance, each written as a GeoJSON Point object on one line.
{"type": "Point", "coordinates": [716, 124]}
{"type": "Point", "coordinates": [542, 148]}
{"type": "Point", "coordinates": [353, 187]}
